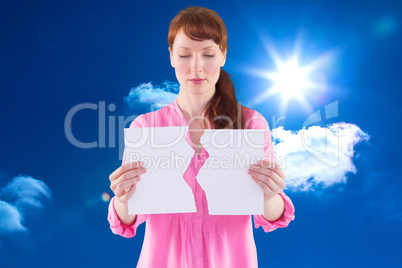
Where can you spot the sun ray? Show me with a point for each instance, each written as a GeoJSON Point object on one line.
{"type": "Point", "coordinates": [290, 79]}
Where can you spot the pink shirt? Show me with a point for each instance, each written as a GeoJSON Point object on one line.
{"type": "Point", "coordinates": [198, 239]}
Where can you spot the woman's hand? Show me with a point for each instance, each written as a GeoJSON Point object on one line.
{"type": "Point", "coordinates": [123, 180]}
{"type": "Point", "coordinates": [269, 176]}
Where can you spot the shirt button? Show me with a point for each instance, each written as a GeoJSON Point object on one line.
{"type": "Point", "coordinates": [198, 234]}
{"type": "Point", "coordinates": [199, 258]}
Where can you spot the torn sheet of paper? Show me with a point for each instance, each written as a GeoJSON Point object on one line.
{"type": "Point", "coordinates": [229, 189]}
{"type": "Point", "coordinates": [166, 156]}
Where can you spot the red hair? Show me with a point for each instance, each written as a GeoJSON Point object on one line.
{"type": "Point", "coordinates": [200, 23]}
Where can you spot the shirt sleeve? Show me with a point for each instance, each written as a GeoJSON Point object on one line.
{"type": "Point", "coordinates": [257, 121]}
{"type": "Point", "coordinates": [288, 215]}
{"type": "Point", "coordinates": [116, 225]}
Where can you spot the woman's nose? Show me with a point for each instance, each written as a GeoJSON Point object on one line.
{"type": "Point", "coordinates": [196, 64]}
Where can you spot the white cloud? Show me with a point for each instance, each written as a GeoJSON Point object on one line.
{"type": "Point", "coordinates": [317, 156]}
{"type": "Point", "coordinates": [10, 218]}
{"type": "Point", "coordinates": [147, 94]}
{"type": "Point", "coordinates": [26, 192]}
{"type": "Point", "coordinates": [23, 194]}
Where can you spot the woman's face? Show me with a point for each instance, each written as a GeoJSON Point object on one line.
{"type": "Point", "coordinates": [196, 59]}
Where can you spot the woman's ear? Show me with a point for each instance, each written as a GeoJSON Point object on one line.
{"type": "Point", "coordinates": [224, 59]}
{"type": "Point", "coordinates": [171, 57]}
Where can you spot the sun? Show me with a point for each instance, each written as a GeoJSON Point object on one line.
{"type": "Point", "coordinates": [290, 79]}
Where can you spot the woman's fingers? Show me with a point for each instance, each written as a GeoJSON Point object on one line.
{"type": "Point", "coordinates": [266, 181]}
{"type": "Point", "coordinates": [263, 185]}
{"type": "Point", "coordinates": [273, 166]}
{"type": "Point", "coordinates": [124, 188]}
{"type": "Point", "coordinates": [124, 168]}
{"type": "Point", "coordinates": [129, 175]}
{"type": "Point", "coordinates": [269, 174]}
{"type": "Point", "coordinates": [125, 180]}
{"type": "Point", "coordinates": [124, 185]}
{"type": "Point", "coordinates": [130, 193]}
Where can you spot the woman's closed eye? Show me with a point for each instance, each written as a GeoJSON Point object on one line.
{"type": "Point", "coordinates": [209, 56]}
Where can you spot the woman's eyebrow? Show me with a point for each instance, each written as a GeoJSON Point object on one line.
{"type": "Point", "coordinates": [202, 49]}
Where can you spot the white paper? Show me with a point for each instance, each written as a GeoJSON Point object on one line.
{"type": "Point", "coordinates": [166, 155]}
{"type": "Point", "coordinates": [229, 188]}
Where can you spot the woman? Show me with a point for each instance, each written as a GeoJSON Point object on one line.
{"type": "Point", "coordinates": [198, 44]}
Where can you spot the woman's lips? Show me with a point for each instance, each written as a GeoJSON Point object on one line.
{"type": "Point", "coordinates": [197, 80]}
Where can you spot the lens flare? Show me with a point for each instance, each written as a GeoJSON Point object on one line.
{"type": "Point", "coordinates": [105, 197]}
{"type": "Point", "coordinates": [386, 25]}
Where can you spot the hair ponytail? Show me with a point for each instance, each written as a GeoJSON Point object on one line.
{"type": "Point", "coordinates": [223, 107]}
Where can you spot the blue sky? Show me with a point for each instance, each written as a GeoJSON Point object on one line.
{"type": "Point", "coordinates": [55, 56]}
